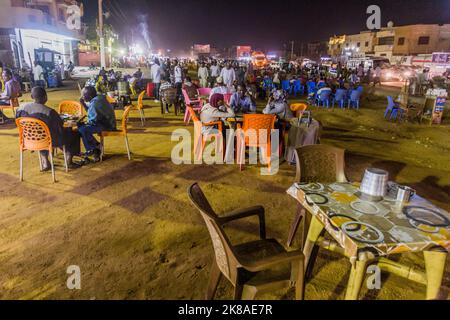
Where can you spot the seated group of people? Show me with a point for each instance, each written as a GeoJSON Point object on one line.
{"type": "Point", "coordinates": [100, 117]}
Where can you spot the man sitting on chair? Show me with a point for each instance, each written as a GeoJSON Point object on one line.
{"type": "Point", "coordinates": [60, 136]}
{"type": "Point", "coordinates": [100, 117]}
{"type": "Point", "coordinates": [12, 90]}
{"type": "Point", "coordinates": [242, 101]}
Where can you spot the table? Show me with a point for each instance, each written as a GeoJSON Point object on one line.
{"type": "Point", "coordinates": [366, 232]}
{"type": "Point", "coordinates": [299, 136]}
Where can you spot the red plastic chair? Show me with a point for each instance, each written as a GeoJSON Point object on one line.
{"type": "Point", "coordinates": [227, 97]}
{"type": "Point", "coordinates": [204, 91]}
{"type": "Point", "coordinates": [196, 105]}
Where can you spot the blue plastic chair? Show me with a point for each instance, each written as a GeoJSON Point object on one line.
{"type": "Point", "coordinates": [321, 84]}
{"type": "Point", "coordinates": [360, 89]}
{"type": "Point", "coordinates": [311, 86]}
{"type": "Point", "coordinates": [323, 98]}
{"type": "Point", "coordinates": [298, 87]}
{"type": "Point", "coordinates": [340, 97]}
{"type": "Point", "coordinates": [267, 84]}
{"type": "Point", "coordinates": [392, 109]}
{"type": "Point", "coordinates": [354, 99]}
{"type": "Point", "coordinates": [286, 85]}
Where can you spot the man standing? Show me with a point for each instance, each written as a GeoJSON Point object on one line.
{"type": "Point", "coordinates": [156, 76]}
{"type": "Point", "coordinates": [203, 75]}
{"type": "Point", "coordinates": [377, 78]}
{"type": "Point", "coordinates": [228, 75]}
{"type": "Point", "coordinates": [60, 136]}
{"type": "Point", "coordinates": [11, 91]}
{"type": "Point", "coordinates": [215, 72]}
{"type": "Point", "coordinates": [38, 75]}
{"type": "Point", "coordinates": [178, 77]}
{"type": "Point", "coordinates": [100, 117]}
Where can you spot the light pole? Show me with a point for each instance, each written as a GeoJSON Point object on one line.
{"type": "Point", "coordinates": [100, 33]}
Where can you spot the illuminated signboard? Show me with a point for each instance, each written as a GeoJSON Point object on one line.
{"type": "Point", "coordinates": [202, 48]}
{"type": "Point", "coordinates": [441, 57]}
{"type": "Point", "coordinates": [243, 51]}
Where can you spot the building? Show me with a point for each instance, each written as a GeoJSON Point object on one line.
{"type": "Point", "coordinates": [412, 40]}
{"type": "Point", "coordinates": [349, 45]}
{"type": "Point", "coordinates": [317, 49]}
{"type": "Point", "coordinates": [27, 25]}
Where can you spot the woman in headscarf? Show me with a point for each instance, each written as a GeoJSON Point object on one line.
{"type": "Point", "coordinates": [210, 112]}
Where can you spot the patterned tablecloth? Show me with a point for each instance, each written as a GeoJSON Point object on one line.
{"type": "Point", "coordinates": [382, 227]}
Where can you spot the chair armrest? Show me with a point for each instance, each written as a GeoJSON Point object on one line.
{"type": "Point", "coordinates": [218, 123]}
{"type": "Point", "coordinates": [245, 213]}
{"type": "Point", "coordinates": [272, 261]}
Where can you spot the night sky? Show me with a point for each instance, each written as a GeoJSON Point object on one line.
{"type": "Point", "coordinates": [178, 24]}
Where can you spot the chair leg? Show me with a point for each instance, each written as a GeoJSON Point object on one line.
{"type": "Point", "coordinates": [128, 147]}
{"type": "Point", "coordinates": [239, 287]}
{"type": "Point", "coordinates": [294, 227]}
{"type": "Point", "coordinates": [214, 279]}
{"type": "Point", "coordinates": [40, 161]}
{"type": "Point", "coordinates": [52, 166]}
{"type": "Point", "coordinates": [21, 165]}
{"type": "Point", "coordinates": [141, 112]}
{"type": "Point", "coordinates": [298, 274]}
{"type": "Point", "coordinates": [102, 148]}
{"type": "Point", "coordinates": [66, 165]}
{"type": "Point", "coordinates": [249, 293]}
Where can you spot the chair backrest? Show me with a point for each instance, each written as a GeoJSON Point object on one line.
{"type": "Point", "coordinates": [225, 256]}
{"type": "Point", "coordinates": [34, 134]}
{"type": "Point", "coordinates": [360, 89]}
{"type": "Point", "coordinates": [355, 95]}
{"type": "Point", "coordinates": [14, 103]}
{"type": "Point", "coordinates": [325, 95]}
{"type": "Point", "coordinates": [391, 102]}
{"type": "Point", "coordinates": [298, 108]}
{"type": "Point", "coordinates": [70, 107]}
{"type": "Point", "coordinates": [140, 103]}
{"type": "Point", "coordinates": [255, 123]}
{"type": "Point", "coordinates": [285, 85]}
{"type": "Point", "coordinates": [126, 113]}
{"type": "Point", "coordinates": [340, 94]}
{"type": "Point", "coordinates": [227, 97]}
{"type": "Point", "coordinates": [204, 91]}
{"type": "Point", "coordinates": [186, 97]}
{"type": "Point", "coordinates": [297, 85]}
{"type": "Point", "coordinates": [320, 163]}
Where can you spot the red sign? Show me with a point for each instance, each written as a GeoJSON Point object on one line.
{"type": "Point", "coordinates": [243, 51]}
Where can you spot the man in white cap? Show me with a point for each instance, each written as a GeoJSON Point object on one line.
{"type": "Point", "coordinates": [219, 87]}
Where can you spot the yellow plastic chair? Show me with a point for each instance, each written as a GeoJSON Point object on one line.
{"type": "Point", "coordinates": [73, 108]}
{"type": "Point", "coordinates": [122, 132]}
{"type": "Point", "coordinates": [140, 107]}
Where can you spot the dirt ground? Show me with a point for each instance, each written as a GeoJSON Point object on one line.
{"type": "Point", "coordinates": [131, 229]}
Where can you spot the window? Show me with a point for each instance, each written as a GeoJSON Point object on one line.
{"type": "Point", "coordinates": [339, 46]}
{"type": "Point", "coordinates": [383, 55]}
{"type": "Point", "coordinates": [401, 41]}
{"type": "Point", "coordinates": [367, 43]}
{"type": "Point", "coordinates": [358, 44]}
{"type": "Point", "coordinates": [424, 40]}
{"type": "Point", "coordinates": [386, 41]}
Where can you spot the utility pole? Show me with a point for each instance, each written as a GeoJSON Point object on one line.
{"type": "Point", "coordinates": [100, 34]}
{"type": "Point", "coordinates": [292, 50]}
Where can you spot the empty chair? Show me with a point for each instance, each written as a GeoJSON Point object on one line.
{"type": "Point", "coordinates": [316, 163]}
{"type": "Point", "coordinates": [34, 135]}
{"type": "Point", "coordinates": [311, 86]}
{"type": "Point", "coordinates": [122, 132]}
{"type": "Point", "coordinates": [392, 109]}
{"type": "Point", "coordinates": [204, 91]}
{"type": "Point", "coordinates": [353, 101]}
{"type": "Point", "coordinates": [140, 107]}
{"type": "Point", "coordinates": [286, 86]}
{"type": "Point", "coordinates": [323, 98]}
{"type": "Point", "coordinates": [244, 265]}
{"type": "Point", "coordinates": [298, 109]}
{"type": "Point", "coordinates": [73, 108]}
{"type": "Point", "coordinates": [196, 105]}
{"type": "Point", "coordinates": [298, 88]}
{"type": "Point", "coordinates": [340, 97]}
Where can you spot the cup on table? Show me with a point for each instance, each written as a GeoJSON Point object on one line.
{"type": "Point", "coordinates": [404, 194]}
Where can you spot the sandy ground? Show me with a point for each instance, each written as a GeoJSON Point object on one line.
{"type": "Point", "coordinates": [130, 228]}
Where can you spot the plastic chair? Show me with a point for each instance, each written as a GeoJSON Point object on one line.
{"type": "Point", "coordinates": [323, 98]}
{"type": "Point", "coordinates": [251, 125]}
{"type": "Point", "coordinates": [122, 132]}
{"type": "Point", "coordinates": [286, 85]}
{"type": "Point", "coordinates": [196, 105]}
{"type": "Point", "coordinates": [340, 97]}
{"type": "Point", "coordinates": [360, 89]}
{"type": "Point", "coordinates": [355, 95]}
{"type": "Point", "coordinates": [140, 107]}
{"type": "Point", "coordinates": [168, 97]}
{"type": "Point", "coordinates": [392, 109]}
{"type": "Point", "coordinates": [298, 87]}
{"type": "Point", "coordinates": [73, 108]}
{"type": "Point", "coordinates": [13, 103]}
{"type": "Point", "coordinates": [311, 86]}
{"type": "Point", "coordinates": [227, 98]}
{"type": "Point", "coordinates": [244, 264]}
{"type": "Point", "coordinates": [200, 139]}
{"type": "Point", "coordinates": [316, 163]}
{"type": "Point", "coordinates": [204, 91]}
{"type": "Point", "coordinates": [298, 109]}
{"type": "Point", "coordinates": [34, 135]}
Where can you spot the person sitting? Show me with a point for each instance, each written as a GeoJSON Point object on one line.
{"type": "Point", "coordinates": [277, 105]}
{"type": "Point", "coordinates": [190, 88]}
{"type": "Point", "coordinates": [211, 112]}
{"type": "Point", "coordinates": [12, 90]}
{"type": "Point", "coordinates": [242, 101]}
{"type": "Point", "coordinates": [60, 136]}
{"type": "Point", "coordinates": [100, 117]}
{"type": "Point", "coordinates": [219, 88]}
